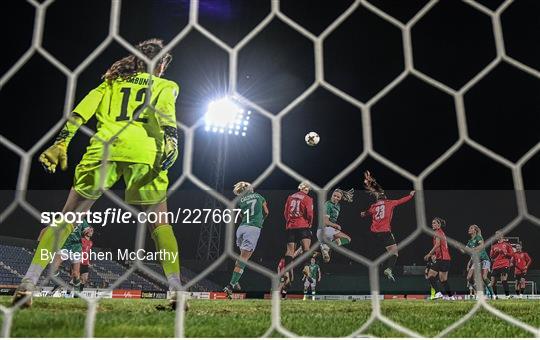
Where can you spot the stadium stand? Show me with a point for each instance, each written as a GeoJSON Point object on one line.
{"type": "Point", "coordinates": [15, 260]}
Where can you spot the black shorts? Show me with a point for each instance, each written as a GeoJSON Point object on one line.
{"type": "Point", "coordinates": [499, 271]}
{"type": "Point", "coordinates": [520, 276]}
{"type": "Point", "coordinates": [295, 235]}
{"type": "Point", "coordinates": [441, 266]}
{"type": "Point", "coordinates": [84, 268]}
{"type": "Point", "coordinates": [386, 238]}
{"type": "Point", "coordinates": [429, 265]}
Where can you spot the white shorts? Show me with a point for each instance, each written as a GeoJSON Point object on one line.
{"type": "Point", "coordinates": [329, 232]}
{"type": "Point", "coordinates": [311, 285]}
{"type": "Point", "coordinates": [247, 237]}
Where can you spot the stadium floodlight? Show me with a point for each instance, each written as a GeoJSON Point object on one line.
{"type": "Point", "coordinates": [225, 115]}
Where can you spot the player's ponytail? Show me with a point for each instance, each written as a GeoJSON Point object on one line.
{"type": "Point", "coordinates": [372, 187]}
{"type": "Point", "coordinates": [442, 222]}
{"type": "Point", "coordinates": [347, 196]}
{"type": "Point", "coordinates": [129, 66]}
{"type": "Point", "coordinates": [241, 188]}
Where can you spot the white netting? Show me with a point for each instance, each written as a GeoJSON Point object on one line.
{"type": "Point", "coordinates": [72, 76]}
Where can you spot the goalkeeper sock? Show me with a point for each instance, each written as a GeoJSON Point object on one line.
{"type": "Point", "coordinates": [52, 239]}
{"type": "Point", "coordinates": [433, 292]}
{"type": "Point", "coordinates": [165, 240]}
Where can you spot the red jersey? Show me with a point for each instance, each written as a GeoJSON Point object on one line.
{"type": "Point", "coordinates": [381, 213]}
{"type": "Point", "coordinates": [86, 246]}
{"type": "Point", "coordinates": [281, 265]}
{"type": "Point", "coordinates": [298, 211]}
{"type": "Point", "coordinates": [501, 253]}
{"type": "Point", "coordinates": [441, 252]}
{"type": "Point", "coordinates": [522, 261]}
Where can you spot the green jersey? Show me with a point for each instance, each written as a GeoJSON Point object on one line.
{"type": "Point", "coordinates": [314, 271]}
{"type": "Point", "coordinates": [332, 211]}
{"type": "Point", "coordinates": [115, 103]}
{"type": "Point", "coordinates": [475, 242]}
{"type": "Point", "coordinates": [73, 242]}
{"type": "Point", "coordinates": [251, 206]}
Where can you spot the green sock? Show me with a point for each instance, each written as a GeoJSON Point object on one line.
{"type": "Point", "coordinates": [165, 240]}
{"type": "Point", "coordinates": [235, 278]}
{"type": "Point", "coordinates": [433, 292]}
{"type": "Point", "coordinates": [342, 241]}
{"type": "Point", "coordinates": [487, 283]}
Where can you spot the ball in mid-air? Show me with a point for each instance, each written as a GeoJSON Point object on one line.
{"type": "Point", "coordinates": [312, 138]}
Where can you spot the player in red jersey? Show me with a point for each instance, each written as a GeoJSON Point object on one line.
{"type": "Point", "coordinates": [438, 273]}
{"type": "Point", "coordinates": [381, 216]}
{"type": "Point", "coordinates": [85, 261]}
{"type": "Point", "coordinates": [522, 261]}
{"type": "Point", "coordinates": [501, 254]}
{"type": "Point", "coordinates": [285, 280]}
{"type": "Point", "coordinates": [298, 215]}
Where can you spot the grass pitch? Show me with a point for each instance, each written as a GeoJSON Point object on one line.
{"type": "Point", "coordinates": [54, 317]}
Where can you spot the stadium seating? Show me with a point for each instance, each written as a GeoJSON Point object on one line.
{"type": "Point", "coordinates": [14, 262]}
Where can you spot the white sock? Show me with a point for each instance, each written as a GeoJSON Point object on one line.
{"type": "Point", "coordinates": [33, 273]}
{"type": "Point", "coordinates": [174, 282]}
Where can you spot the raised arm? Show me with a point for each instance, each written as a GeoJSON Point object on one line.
{"type": "Point", "coordinates": [404, 199]}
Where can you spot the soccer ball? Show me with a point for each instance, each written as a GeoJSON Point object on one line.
{"type": "Point", "coordinates": [312, 138]}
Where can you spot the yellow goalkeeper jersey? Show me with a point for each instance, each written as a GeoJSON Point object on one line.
{"type": "Point", "coordinates": [133, 138]}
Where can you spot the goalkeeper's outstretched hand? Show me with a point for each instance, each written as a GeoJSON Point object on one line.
{"type": "Point", "coordinates": [52, 157]}
{"type": "Point", "coordinates": [170, 152]}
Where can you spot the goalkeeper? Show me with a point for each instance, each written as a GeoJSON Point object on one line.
{"type": "Point", "coordinates": [142, 143]}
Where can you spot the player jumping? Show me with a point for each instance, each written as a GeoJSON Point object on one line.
{"type": "Point", "coordinates": [438, 273]}
{"type": "Point", "coordinates": [476, 243]}
{"type": "Point", "coordinates": [312, 275]}
{"type": "Point", "coordinates": [298, 215]}
{"type": "Point", "coordinates": [502, 253]}
{"type": "Point", "coordinates": [332, 230]}
{"type": "Point", "coordinates": [254, 210]}
{"type": "Point", "coordinates": [381, 216]}
{"type": "Point", "coordinates": [522, 262]}
{"type": "Point", "coordinates": [142, 143]}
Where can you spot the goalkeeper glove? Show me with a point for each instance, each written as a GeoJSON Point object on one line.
{"type": "Point", "coordinates": [57, 153]}
{"type": "Point", "coordinates": [53, 156]}
{"type": "Point", "coordinates": [170, 152]}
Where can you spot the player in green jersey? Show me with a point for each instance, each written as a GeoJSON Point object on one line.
{"type": "Point", "coordinates": [332, 230]}
{"type": "Point", "coordinates": [72, 251]}
{"type": "Point", "coordinates": [142, 143]}
{"type": "Point", "coordinates": [476, 243]}
{"type": "Point", "coordinates": [254, 211]}
{"type": "Point", "coordinates": [312, 275]}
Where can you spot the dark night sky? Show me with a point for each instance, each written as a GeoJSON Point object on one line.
{"type": "Point", "coordinates": [412, 125]}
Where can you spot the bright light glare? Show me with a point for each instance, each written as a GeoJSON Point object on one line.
{"type": "Point", "coordinates": [225, 114]}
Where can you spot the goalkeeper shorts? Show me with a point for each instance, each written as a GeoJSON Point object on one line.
{"type": "Point", "coordinates": [144, 184]}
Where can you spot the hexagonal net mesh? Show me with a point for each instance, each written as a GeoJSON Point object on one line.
{"type": "Point", "coordinates": [365, 107]}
